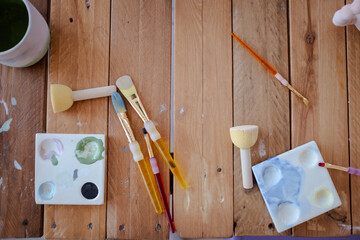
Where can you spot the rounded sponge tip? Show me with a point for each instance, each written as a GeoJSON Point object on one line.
{"type": "Point", "coordinates": [245, 136]}
{"type": "Point", "coordinates": [61, 97]}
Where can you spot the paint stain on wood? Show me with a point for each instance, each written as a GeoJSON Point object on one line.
{"type": "Point", "coordinates": [6, 126]}
{"type": "Point", "coordinates": [17, 165]}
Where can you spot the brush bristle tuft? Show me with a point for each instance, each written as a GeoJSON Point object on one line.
{"type": "Point", "coordinates": [126, 86]}
{"type": "Point", "coordinates": [118, 103]}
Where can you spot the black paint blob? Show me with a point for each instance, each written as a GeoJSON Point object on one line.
{"type": "Point", "coordinates": [89, 190]}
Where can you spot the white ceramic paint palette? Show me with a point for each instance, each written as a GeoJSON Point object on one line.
{"type": "Point", "coordinates": [70, 169]}
{"type": "Point", "coordinates": [294, 187]}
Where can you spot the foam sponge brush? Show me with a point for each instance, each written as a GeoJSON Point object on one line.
{"type": "Point", "coordinates": [62, 97]}
{"type": "Point", "coordinates": [244, 137]}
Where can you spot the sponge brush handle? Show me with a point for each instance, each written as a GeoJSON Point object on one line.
{"type": "Point", "coordinates": [93, 93]}
{"type": "Point", "coordinates": [246, 168]}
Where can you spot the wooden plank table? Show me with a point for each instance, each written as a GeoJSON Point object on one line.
{"type": "Point", "coordinates": [217, 84]}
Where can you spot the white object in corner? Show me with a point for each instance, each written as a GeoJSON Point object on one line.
{"type": "Point", "coordinates": [348, 15]}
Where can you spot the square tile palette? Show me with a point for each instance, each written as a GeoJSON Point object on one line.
{"type": "Point", "coordinates": [70, 169]}
{"type": "Point", "coordinates": [294, 187]}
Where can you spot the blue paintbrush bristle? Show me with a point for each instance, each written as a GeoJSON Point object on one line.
{"type": "Point", "coordinates": [118, 103]}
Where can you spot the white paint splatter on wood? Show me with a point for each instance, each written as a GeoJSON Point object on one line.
{"type": "Point", "coordinates": [163, 108]}
{"type": "Point", "coordinates": [5, 106]}
{"type": "Point", "coordinates": [6, 126]}
{"type": "Point", "coordinates": [182, 111]}
{"type": "Point", "coordinates": [262, 150]}
{"type": "Point", "coordinates": [17, 165]}
{"type": "Point", "coordinates": [79, 124]}
{"type": "Point", "coordinates": [13, 101]}
{"type": "Point", "coordinates": [1, 181]}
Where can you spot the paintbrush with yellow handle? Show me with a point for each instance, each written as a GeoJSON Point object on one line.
{"type": "Point", "coordinates": [143, 165]}
{"type": "Point", "coordinates": [127, 88]}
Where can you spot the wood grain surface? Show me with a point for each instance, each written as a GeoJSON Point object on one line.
{"type": "Point", "coordinates": [353, 61]}
{"type": "Point", "coordinates": [318, 70]}
{"type": "Point", "coordinates": [79, 58]}
{"type": "Point", "coordinates": [22, 91]}
{"type": "Point", "coordinates": [140, 48]}
{"type": "Point", "coordinates": [203, 116]}
{"type": "Point", "coordinates": [261, 100]}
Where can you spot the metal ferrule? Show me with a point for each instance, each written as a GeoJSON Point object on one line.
{"type": "Point", "coordinates": [126, 126]}
{"type": "Point", "coordinates": [148, 144]}
{"type": "Point", "coordinates": [139, 108]}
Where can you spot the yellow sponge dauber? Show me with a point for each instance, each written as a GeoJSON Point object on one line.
{"type": "Point", "coordinates": [62, 97]}
{"type": "Point", "coordinates": [244, 137]}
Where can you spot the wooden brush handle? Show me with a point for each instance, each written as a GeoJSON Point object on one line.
{"type": "Point", "coordinates": [93, 93]}
{"type": "Point", "coordinates": [246, 168]}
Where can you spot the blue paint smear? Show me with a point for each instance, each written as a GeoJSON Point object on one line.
{"type": "Point", "coordinates": [286, 190]}
{"type": "Point", "coordinates": [289, 186]}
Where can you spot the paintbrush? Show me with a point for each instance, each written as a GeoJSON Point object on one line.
{"type": "Point", "coordinates": [159, 181]}
{"type": "Point", "coordinates": [271, 69]}
{"type": "Point", "coordinates": [143, 165]}
{"type": "Point", "coordinates": [127, 88]}
{"type": "Point", "coordinates": [349, 170]}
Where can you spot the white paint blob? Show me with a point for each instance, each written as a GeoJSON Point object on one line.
{"type": "Point", "coordinates": [13, 101]}
{"type": "Point", "coordinates": [182, 111]}
{"type": "Point", "coordinates": [262, 150]}
{"type": "Point", "coordinates": [47, 190]}
{"type": "Point", "coordinates": [288, 213]}
{"type": "Point", "coordinates": [324, 198]}
{"type": "Point", "coordinates": [1, 181]}
{"type": "Point", "coordinates": [308, 158]}
{"type": "Point", "coordinates": [5, 106]}
{"type": "Point", "coordinates": [17, 165]}
{"type": "Point", "coordinates": [272, 176]}
{"type": "Point", "coordinates": [6, 126]}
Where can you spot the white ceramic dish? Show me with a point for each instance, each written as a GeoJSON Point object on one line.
{"type": "Point", "coordinates": [70, 169]}
{"type": "Point", "coordinates": [295, 189]}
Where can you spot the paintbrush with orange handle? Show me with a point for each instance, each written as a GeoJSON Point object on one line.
{"type": "Point", "coordinates": [271, 69]}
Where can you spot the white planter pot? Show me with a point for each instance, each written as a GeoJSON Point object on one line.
{"type": "Point", "coordinates": [33, 46]}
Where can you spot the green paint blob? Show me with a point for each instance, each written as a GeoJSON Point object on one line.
{"type": "Point", "coordinates": [14, 21]}
{"type": "Point", "coordinates": [89, 150]}
{"type": "Point", "coordinates": [54, 160]}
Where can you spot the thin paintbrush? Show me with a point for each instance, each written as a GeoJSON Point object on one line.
{"type": "Point", "coordinates": [159, 181]}
{"type": "Point", "coordinates": [127, 88]}
{"type": "Point", "coordinates": [143, 165]}
{"type": "Point", "coordinates": [271, 69]}
{"type": "Point", "coordinates": [349, 170]}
